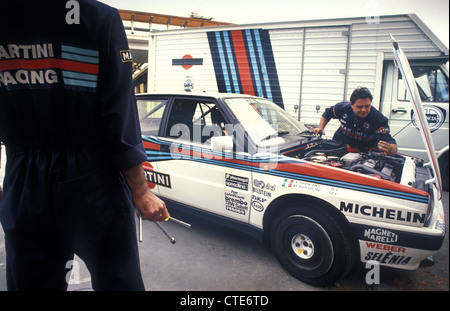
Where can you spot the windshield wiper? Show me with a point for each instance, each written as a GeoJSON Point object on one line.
{"type": "Point", "coordinates": [281, 133]}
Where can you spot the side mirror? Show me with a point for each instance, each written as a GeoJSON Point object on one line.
{"type": "Point", "coordinates": [222, 143]}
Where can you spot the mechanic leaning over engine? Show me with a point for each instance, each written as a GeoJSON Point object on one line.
{"type": "Point", "coordinates": [361, 125]}
{"type": "Point", "coordinates": [69, 121]}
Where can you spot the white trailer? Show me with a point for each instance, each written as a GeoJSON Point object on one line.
{"type": "Point", "coordinates": [307, 66]}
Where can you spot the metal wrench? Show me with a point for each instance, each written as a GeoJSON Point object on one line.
{"type": "Point", "coordinates": [171, 238]}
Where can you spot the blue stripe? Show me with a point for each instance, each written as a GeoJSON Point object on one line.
{"type": "Point", "coordinates": [80, 58]}
{"type": "Point", "coordinates": [86, 52]}
{"type": "Point", "coordinates": [231, 62]}
{"type": "Point", "coordinates": [251, 50]}
{"type": "Point", "coordinates": [263, 64]}
{"type": "Point", "coordinates": [80, 83]}
{"type": "Point", "coordinates": [223, 62]}
{"type": "Point", "coordinates": [80, 76]}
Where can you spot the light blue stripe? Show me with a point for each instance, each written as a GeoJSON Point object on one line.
{"type": "Point", "coordinates": [263, 64]}
{"type": "Point", "coordinates": [86, 52]}
{"type": "Point", "coordinates": [231, 62]}
{"type": "Point", "coordinates": [80, 58]}
{"type": "Point", "coordinates": [223, 62]}
{"type": "Point", "coordinates": [254, 63]}
{"type": "Point", "coordinates": [80, 83]}
{"type": "Point", "coordinates": [81, 76]}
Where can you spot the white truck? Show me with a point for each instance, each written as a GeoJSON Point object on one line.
{"type": "Point", "coordinates": [307, 66]}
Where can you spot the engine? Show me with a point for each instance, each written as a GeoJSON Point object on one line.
{"type": "Point", "coordinates": [370, 162]}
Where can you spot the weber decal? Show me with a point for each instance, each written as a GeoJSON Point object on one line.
{"type": "Point", "coordinates": [386, 247]}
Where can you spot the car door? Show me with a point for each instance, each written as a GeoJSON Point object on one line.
{"type": "Point", "coordinates": [432, 84]}
{"type": "Point", "coordinates": [151, 112]}
{"type": "Point", "coordinates": [216, 182]}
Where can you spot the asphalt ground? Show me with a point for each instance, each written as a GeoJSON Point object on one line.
{"type": "Point", "coordinates": [208, 257]}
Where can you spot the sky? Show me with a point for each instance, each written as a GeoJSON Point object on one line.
{"type": "Point", "coordinates": [434, 13]}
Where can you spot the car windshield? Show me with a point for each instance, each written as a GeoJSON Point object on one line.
{"type": "Point", "coordinates": [265, 122]}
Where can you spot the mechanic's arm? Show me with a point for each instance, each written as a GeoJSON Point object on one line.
{"type": "Point", "coordinates": [321, 128]}
{"type": "Point", "coordinates": [1, 190]}
{"type": "Point", "coordinates": [150, 206]}
{"type": "Point", "coordinates": [387, 148]}
{"type": "Point", "coordinates": [386, 144]}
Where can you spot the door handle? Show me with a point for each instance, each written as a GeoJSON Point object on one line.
{"type": "Point", "coordinates": [401, 110]}
{"type": "Point", "coordinates": [164, 147]}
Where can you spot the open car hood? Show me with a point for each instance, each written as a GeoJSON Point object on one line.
{"type": "Point", "coordinates": [402, 63]}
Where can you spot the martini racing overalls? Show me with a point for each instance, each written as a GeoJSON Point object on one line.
{"type": "Point", "coordinates": [69, 122]}
{"type": "Point", "coordinates": [363, 133]}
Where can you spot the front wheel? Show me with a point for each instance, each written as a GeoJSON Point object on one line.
{"type": "Point", "coordinates": [311, 245]}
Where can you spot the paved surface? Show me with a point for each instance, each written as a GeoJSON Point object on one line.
{"type": "Point", "coordinates": [214, 258]}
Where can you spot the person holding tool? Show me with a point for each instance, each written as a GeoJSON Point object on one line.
{"type": "Point", "coordinates": [361, 125]}
{"type": "Point", "coordinates": [69, 123]}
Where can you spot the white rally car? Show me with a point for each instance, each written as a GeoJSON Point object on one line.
{"type": "Point", "coordinates": [243, 161]}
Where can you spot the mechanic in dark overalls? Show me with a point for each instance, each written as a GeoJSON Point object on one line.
{"type": "Point", "coordinates": [361, 125]}
{"type": "Point", "coordinates": [68, 119]}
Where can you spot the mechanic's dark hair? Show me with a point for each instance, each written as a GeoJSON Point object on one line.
{"type": "Point", "coordinates": [360, 93]}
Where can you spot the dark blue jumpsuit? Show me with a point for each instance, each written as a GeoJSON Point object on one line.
{"type": "Point", "coordinates": [69, 122]}
{"type": "Point", "coordinates": [364, 133]}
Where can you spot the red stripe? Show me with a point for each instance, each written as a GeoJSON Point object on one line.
{"type": "Point", "coordinates": [152, 146]}
{"type": "Point", "coordinates": [242, 62]}
{"type": "Point", "coordinates": [34, 64]}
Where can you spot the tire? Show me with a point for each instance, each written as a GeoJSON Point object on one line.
{"type": "Point", "coordinates": [311, 245]}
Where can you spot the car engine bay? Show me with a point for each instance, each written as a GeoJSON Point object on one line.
{"type": "Point", "coordinates": [336, 154]}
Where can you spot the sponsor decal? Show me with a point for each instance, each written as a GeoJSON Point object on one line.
{"type": "Point", "coordinates": [384, 213]}
{"type": "Point", "coordinates": [435, 117]}
{"type": "Point", "coordinates": [235, 202]}
{"type": "Point", "coordinates": [156, 178]}
{"type": "Point", "coordinates": [125, 56]}
{"type": "Point", "coordinates": [291, 183]}
{"type": "Point", "coordinates": [388, 258]}
{"type": "Point", "coordinates": [257, 206]}
{"type": "Point", "coordinates": [189, 84]}
{"type": "Point", "coordinates": [187, 61]}
{"type": "Point", "coordinates": [265, 189]}
{"type": "Point", "coordinates": [380, 235]}
{"type": "Point", "coordinates": [257, 203]}
{"type": "Point", "coordinates": [47, 65]}
{"type": "Point", "coordinates": [237, 182]}
{"type": "Point", "coordinates": [386, 247]}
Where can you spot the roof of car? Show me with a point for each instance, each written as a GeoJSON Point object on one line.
{"type": "Point", "coordinates": [212, 94]}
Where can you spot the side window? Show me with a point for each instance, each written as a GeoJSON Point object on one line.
{"type": "Point", "coordinates": [150, 115]}
{"type": "Point", "coordinates": [195, 121]}
{"type": "Point", "coordinates": [208, 121]}
{"type": "Point", "coordinates": [431, 83]}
